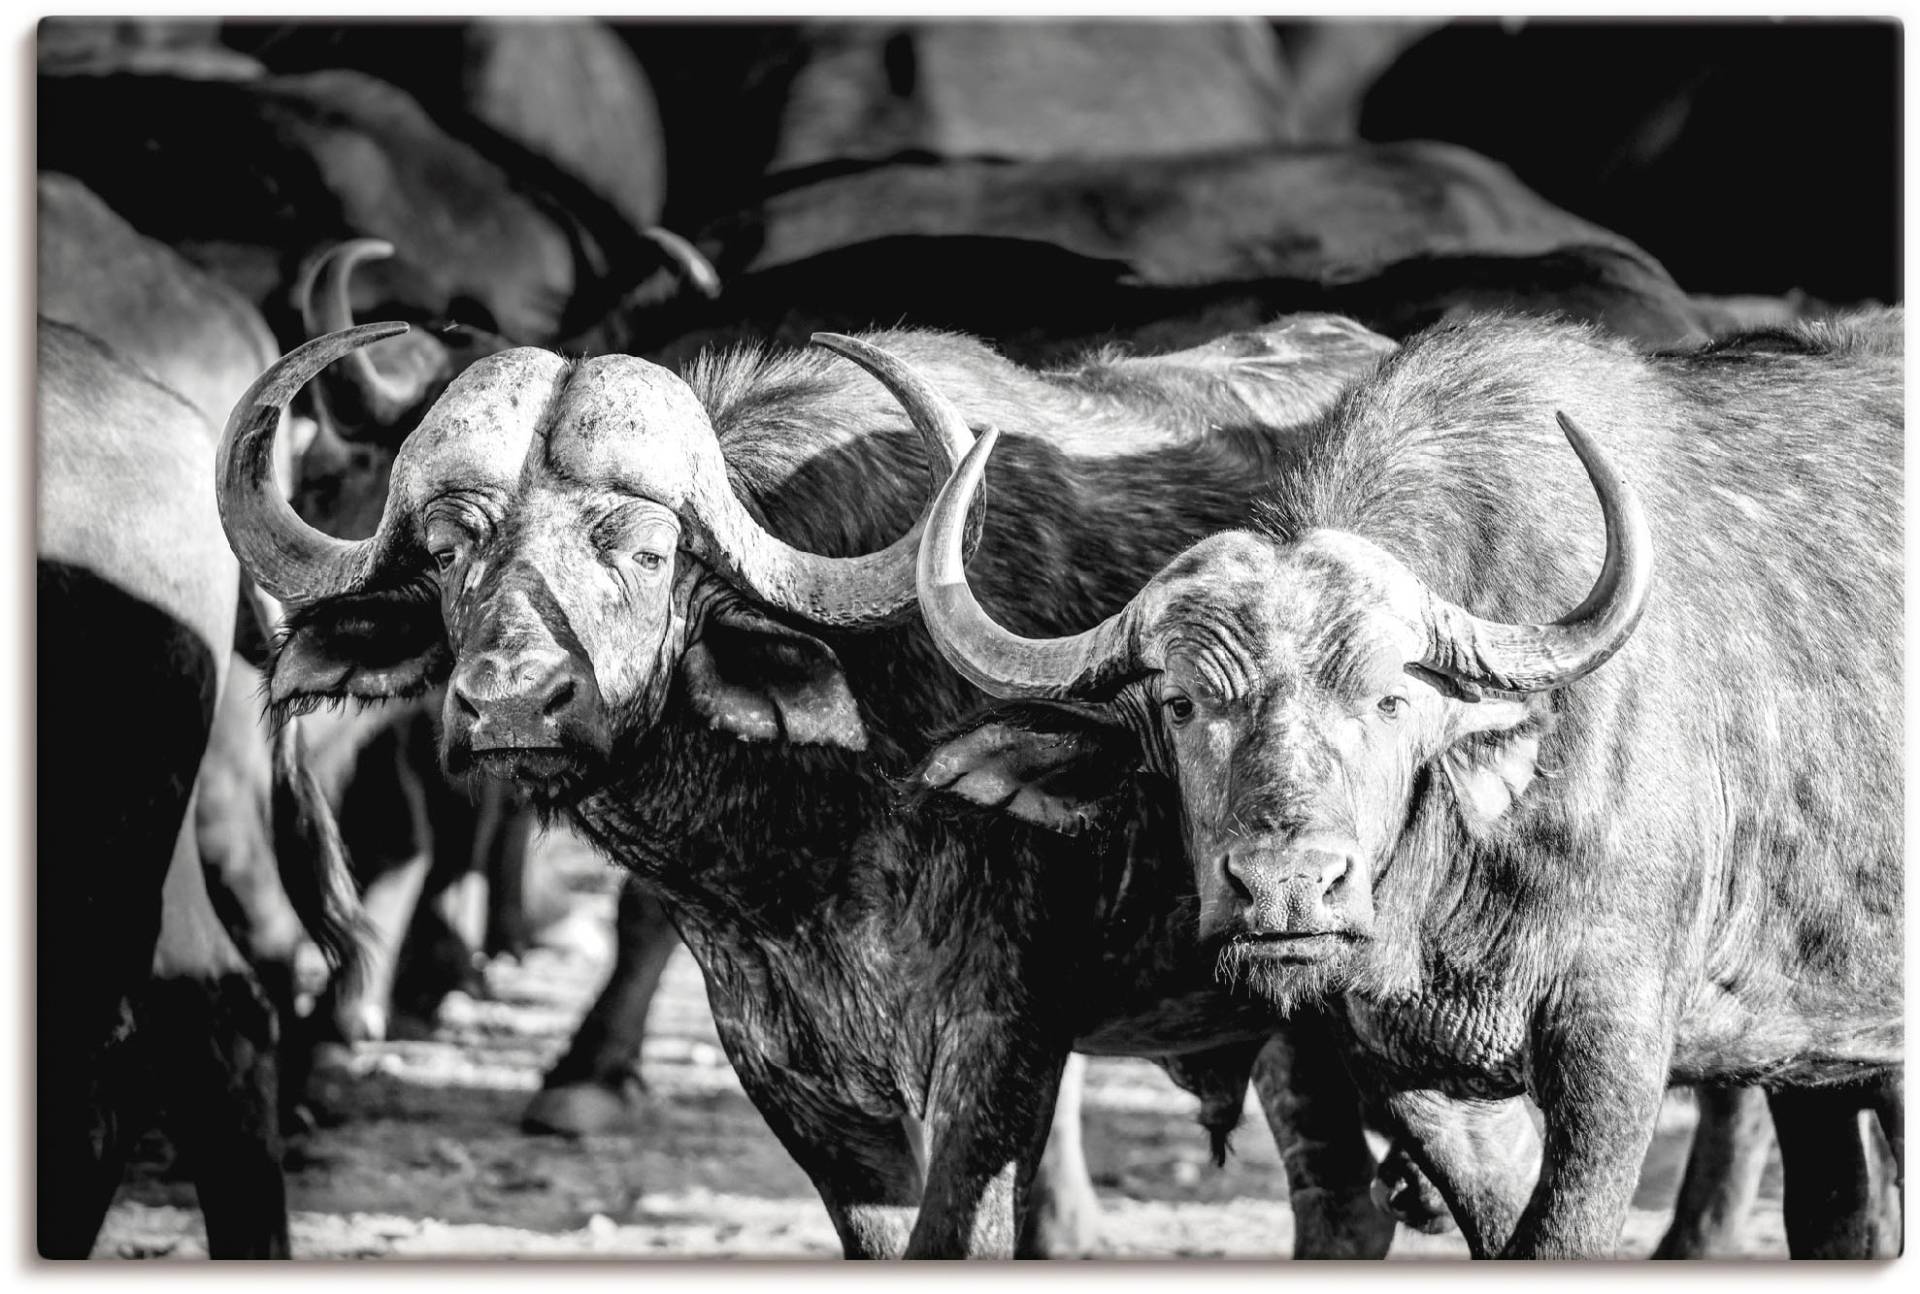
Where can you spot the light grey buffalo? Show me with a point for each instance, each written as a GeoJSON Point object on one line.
{"type": "Point", "coordinates": [1657, 838]}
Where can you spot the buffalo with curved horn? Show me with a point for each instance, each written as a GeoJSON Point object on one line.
{"type": "Point", "coordinates": [1655, 840]}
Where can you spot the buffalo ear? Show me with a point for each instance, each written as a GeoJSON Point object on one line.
{"type": "Point", "coordinates": [1493, 761]}
{"type": "Point", "coordinates": [1058, 766]}
{"type": "Point", "coordinates": [761, 681]}
{"type": "Point", "coordinates": [369, 647]}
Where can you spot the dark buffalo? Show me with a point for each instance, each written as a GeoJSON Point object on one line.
{"type": "Point", "coordinates": [1162, 252]}
{"type": "Point", "coordinates": [492, 234]}
{"type": "Point", "coordinates": [749, 107]}
{"type": "Point", "coordinates": [624, 625]}
{"type": "Point", "coordinates": [1656, 839]}
{"type": "Point", "coordinates": [861, 92]}
{"type": "Point", "coordinates": [149, 603]}
{"type": "Point", "coordinates": [141, 994]}
{"type": "Point", "coordinates": [202, 341]}
{"type": "Point", "coordinates": [567, 90]}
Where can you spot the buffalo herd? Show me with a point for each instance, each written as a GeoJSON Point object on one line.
{"type": "Point", "coordinates": [1022, 541]}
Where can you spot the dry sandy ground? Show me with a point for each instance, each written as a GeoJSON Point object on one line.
{"type": "Point", "coordinates": [430, 1163]}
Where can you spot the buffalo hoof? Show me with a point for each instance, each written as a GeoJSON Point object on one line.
{"type": "Point", "coordinates": [1334, 1224]}
{"type": "Point", "coordinates": [583, 1109]}
{"type": "Point", "coordinates": [1403, 1191]}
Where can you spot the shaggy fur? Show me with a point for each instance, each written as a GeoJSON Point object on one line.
{"type": "Point", "coordinates": [1685, 866]}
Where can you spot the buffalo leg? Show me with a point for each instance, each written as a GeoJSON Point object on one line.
{"type": "Point", "coordinates": [389, 902]}
{"type": "Point", "coordinates": [346, 1015]}
{"type": "Point", "coordinates": [437, 954]}
{"type": "Point", "coordinates": [592, 1088]}
{"type": "Point", "coordinates": [1401, 1189]}
{"type": "Point", "coordinates": [867, 1169]}
{"type": "Point", "coordinates": [502, 842]}
{"type": "Point", "coordinates": [385, 821]}
{"type": "Point", "coordinates": [1889, 1107]}
{"type": "Point", "coordinates": [81, 1150]}
{"type": "Point", "coordinates": [1722, 1179]}
{"type": "Point", "coordinates": [436, 958]}
{"type": "Point", "coordinates": [987, 1129]}
{"type": "Point", "coordinates": [208, 1032]}
{"type": "Point", "coordinates": [1313, 1112]}
{"type": "Point", "coordinates": [238, 846]}
{"type": "Point", "coordinates": [1827, 1195]}
{"type": "Point", "coordinates": [214, 1054]}
{"type": "Point", "coordinates": [1600, 1074]}
{"type": "Point", "coordinates": [1482, 1156]}
{"type": "Point", "coordinates": [1062, 1212]}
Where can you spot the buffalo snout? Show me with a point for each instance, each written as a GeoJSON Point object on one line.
{"type": "Point", "coordinates": [525, 707]}
{"type": "Point", "coordinates": [1299, 893]}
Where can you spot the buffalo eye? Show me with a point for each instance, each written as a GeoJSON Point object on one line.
{"type": "Point", "coordinates": [1392, 707]}
{"type": "Point", "coordinates": [447, 534]}
{"type": "Point", "coordinates": [636, 531]}
{"type": "Point", "coordinates": [1179, 709]}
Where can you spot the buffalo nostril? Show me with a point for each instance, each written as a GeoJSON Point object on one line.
{"type": "Point", "coordinates": [467, 708]}
{"type": "Point", "coordinates": [561, 697]}
{"type": "Point", "coordinates": [1237, 886]}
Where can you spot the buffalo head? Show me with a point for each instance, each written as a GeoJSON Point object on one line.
{"type": "Point", "coordinates": [1298, 690]}
{"type": "Point", "coordinates": [560, 545]}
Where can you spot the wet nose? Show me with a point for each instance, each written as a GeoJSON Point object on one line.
{"type": "Point", "coordinates": [520, 700]}
{"type": "Point", "coordinates": [1289, 892]}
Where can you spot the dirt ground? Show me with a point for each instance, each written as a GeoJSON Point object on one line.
{"type": "Point", "coordinates": [430, 1162]}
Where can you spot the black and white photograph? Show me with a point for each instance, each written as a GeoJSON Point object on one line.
{"type": "Point", "coordinates": [956, 636]}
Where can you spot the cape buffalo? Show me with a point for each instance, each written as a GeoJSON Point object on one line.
{"type": "Point", "coordinates": [1163, 252]}
{"type": "Point", "coordinates": [141, 995]}
{"type": "Point", "coordinates": [642, 611]}
{"type": "Point", "coordinates": [203, 341]}
{"type": "Point", "coordinates": [1656, 839]}
{"type": "Point", "coordinates": [492, 234]}
{"type": "Point", "coordinates": [567, 90]}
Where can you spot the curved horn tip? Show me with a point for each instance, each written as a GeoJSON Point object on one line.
{"type": "Point", "coordinates": [945, 546]}
{"type": "Point", "coordinates": [1582, 443]}
{"type": "Point", "coordinates": [993, 658]}
{"type": "Point", "coordinates": [363, 334]}
{"type": "Point", "coordinates": [365, 247]}
{"type": "Point", "coordinates": [690, 259]}
{"type": "Point", "coordinates": [356, 250]}
{"type": "Point", "coordinates": [1601, 470]}
{"type": "Point", "coordinates": [289, 373]}
{"type": "Point", "coordinates": [1539, 658]}
{"type": "Point", "coordinates": [351, 250]}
